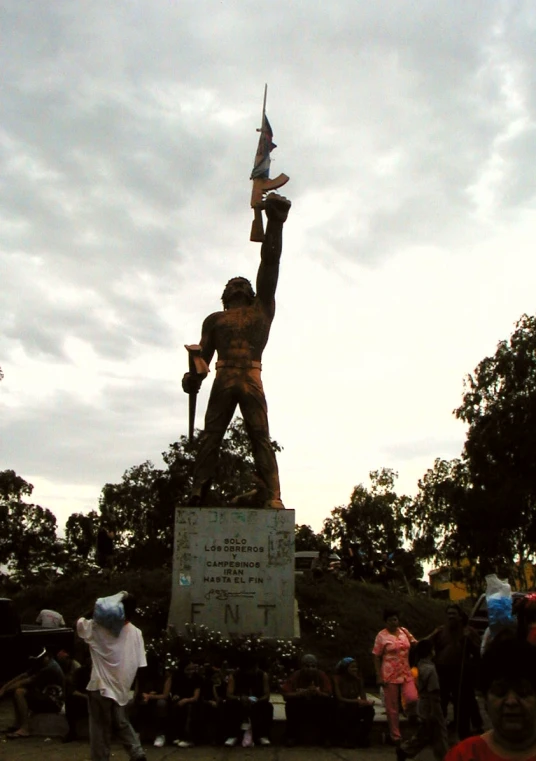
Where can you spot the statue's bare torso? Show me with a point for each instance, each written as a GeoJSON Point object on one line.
{"type": "Point", "coordinates": [239, 334]}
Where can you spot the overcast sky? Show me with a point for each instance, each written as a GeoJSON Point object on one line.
{"type": "Point", "coordinates": [127, 137]}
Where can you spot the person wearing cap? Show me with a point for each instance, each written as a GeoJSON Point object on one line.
{"type": "Point", "coordinates": [40, 689]}
{"type": "Point", "coordinates": [50, 619]}
{"type": "Point", "coordinates": [116, 657]}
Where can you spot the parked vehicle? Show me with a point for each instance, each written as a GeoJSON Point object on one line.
{"type": "Point", "coordinates": [18, 641]}
{"type": "Point", "coordinates": [303, 560]}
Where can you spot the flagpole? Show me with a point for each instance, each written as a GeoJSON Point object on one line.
{"type": "Point", "coordinates": [264, 106]}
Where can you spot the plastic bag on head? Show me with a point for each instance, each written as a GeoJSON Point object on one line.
{"type": "Point", "coordinates": [110, 613]}
{"type": "Point", "coordinates": [499, 599]}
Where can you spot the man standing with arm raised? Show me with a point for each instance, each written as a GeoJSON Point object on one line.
{"type": "Point", "coordinates": [239, 334]}
{"type": "Point", "coordinates": [115, 661]}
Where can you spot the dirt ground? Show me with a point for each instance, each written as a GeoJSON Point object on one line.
{"type": "Point", "coordinates": [52, 749]}
{"type": "Point", "coordinates": [39, 749]}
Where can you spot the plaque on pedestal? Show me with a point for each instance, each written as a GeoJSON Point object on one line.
{"type": "Point", "coordinates": [233, 571]}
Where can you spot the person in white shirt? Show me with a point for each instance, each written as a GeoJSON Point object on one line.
{"type": "Point", "coordinates": [115, 662]}
{"type": "Point", "coordinates": [49, 619]}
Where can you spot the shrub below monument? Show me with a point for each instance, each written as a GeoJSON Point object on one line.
{"type": "Point", "coordinates": [203, 645]}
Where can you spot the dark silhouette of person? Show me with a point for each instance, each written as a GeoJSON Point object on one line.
{"type": "Point", "coordinates": [248, 701]}
{"type": "Point", "coordinates": [354, 712]}
{"type": "Point", "coordinates": [40, 689]}
{"type": "Point", "coordinates": [105, 547]}
{"type": "Point", "coordinates": [457, 656]}
{"type": "Point", "coordinates": [77, 677]}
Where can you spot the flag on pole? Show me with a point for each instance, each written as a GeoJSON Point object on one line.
{"type": "Point", "coordinates": [260, 175]}
{"type": "Point", "coordinates": [261, 167]}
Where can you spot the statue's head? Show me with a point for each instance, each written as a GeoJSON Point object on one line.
{"type": "Point", "coordinates": [237, 288]}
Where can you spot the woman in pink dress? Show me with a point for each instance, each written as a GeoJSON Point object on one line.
{"type": "Point", "coordinates": [393, 673]}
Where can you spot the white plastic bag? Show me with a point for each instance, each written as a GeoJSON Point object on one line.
{"type": "Point", "coordinates": [247, 741]}
{"type": "Point", "coordinates": [110, 613]}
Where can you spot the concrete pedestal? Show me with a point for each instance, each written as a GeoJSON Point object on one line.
{"type": "Point", "coordinates": [233, 571]}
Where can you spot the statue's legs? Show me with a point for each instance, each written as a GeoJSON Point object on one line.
{"type": "Point", "coordinates": [254, 410]}
{"type": "Point", "coordinates": [220, 410]}
{"type": "Point", "coordinates": [234, 386]}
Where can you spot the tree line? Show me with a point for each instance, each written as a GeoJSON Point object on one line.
{"type": "Point", "coordinates": [479, 507]}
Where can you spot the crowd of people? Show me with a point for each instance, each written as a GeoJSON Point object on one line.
{"type": "Point", "coordinates": [123, 692]}
{"type": "Point", "coordinates": [197, 703]}
{"type": "Point", "coordinates": [456, 651]}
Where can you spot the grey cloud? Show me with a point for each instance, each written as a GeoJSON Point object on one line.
{"type": "Point", "coordinates": [65, 440]}
{"type": "Point", "coordinates": [518, 187]}
{"type": "Point", "coordinates": [114, 326]}
{"type": "Point", "coordinates": [436, 58]}
{"type": "Point", "coordinates": [97, 197]}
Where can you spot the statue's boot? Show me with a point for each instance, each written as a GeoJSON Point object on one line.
{"type": "Point", "coordinates": [273, 504]}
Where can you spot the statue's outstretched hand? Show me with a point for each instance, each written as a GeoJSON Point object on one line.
{"type": "Point", "coordinates": [277, 207]}
{"type": "Point", "coordinates": [191, 383]}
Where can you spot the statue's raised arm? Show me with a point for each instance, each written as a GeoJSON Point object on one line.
{"type": "Point", "coordinates": [276, 208]}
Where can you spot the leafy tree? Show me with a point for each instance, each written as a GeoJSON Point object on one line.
{"type": "Point", "coordinates": [482, 508]}
{"type": "Point", "coordinates": [142, 520]}
{"type": "Point", "coordinates": [373, 519]}
{"type": "Point", "coordinates": [306, 539]}
{"type": "Point", "coordinates": [433, 520]}
{"type": "Point", "coordinates": [499, 406]}
{"type": "Point", "coordinates": [28, 544]}
{"type": "Point", "coordinates": [440, 519]}
{"type": "Point", "coordinates": [142, 506]}
{"type": "Point", "coordinates": [13, 486]}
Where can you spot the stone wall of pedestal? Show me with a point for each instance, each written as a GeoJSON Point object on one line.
{"type": "Point", "coordinates": [233, 571]}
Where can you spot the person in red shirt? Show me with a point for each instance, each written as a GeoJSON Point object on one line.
{"type": "Point", "coordinates": [508, 681]}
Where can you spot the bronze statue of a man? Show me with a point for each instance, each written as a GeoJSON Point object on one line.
{"type": "Point", "coordinates": [239, 335]}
